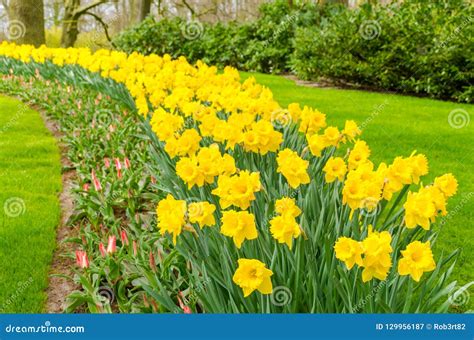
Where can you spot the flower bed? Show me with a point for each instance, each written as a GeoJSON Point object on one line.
{"type": "Point", "coordinates": [259, 208]}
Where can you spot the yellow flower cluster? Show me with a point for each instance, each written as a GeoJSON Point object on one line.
{"type": "Point", "coordinates": [284, 226]}
{"type": "Point", "coordinates": [422, 207]}
{"type": "Point", "coordinates": [332, 137]}
{"type": "Point", "coordinates": [365, 187]}
{"type": "Point", "coordinates": [293, 168]}
{"type": "Point", "coordinates": [171, 216]}
{"type": "Point", "coordinates": [205, 166]}
{"type": "Point", "coordinates": [372, 254]}
{"type": "Point", "coordinates": [238, 190]}
{"type": "Point", "coordinates": [208, 122]}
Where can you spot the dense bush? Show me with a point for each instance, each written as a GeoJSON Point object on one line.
{"type": "Point", "coordinates": [264, 45]}
{"type": "Point", "coordinates": [412, 47]}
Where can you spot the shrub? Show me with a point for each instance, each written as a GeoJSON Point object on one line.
{"type": "Point", "coordinates": [264, 45]}
{"type": "Point", "coordinates": [411, 47]}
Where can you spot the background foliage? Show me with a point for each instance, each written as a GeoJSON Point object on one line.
{"type": "Point", "coordinates": [411, 47]}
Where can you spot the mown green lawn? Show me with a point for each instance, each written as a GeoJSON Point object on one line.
{"type": "Point", "coordinates": [30, 179]}
{"type": "Point", "coordinates": [396, 125]}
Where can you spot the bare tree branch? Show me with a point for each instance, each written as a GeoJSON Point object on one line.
{"type": "Point", "coordinates": [104, 25]}
{"type": "Point", "coordinates": [82, 10]}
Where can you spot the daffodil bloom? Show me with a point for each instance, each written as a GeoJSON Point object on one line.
{"type": "Point", "coordinates": [351, 130]}
{"type": "Point", "coordinates": [240, 225]}
{"type": "Point", "coordinates": [420, 208]}
{"type": "Point", "coordinates": [419, 166]}
{"type": "Point", "coordinates": [349, 251]}
{"type": "Point", "coordinates": [447, 184]}
{"type": "Point", "coordinates": [284, 229]}
{"type": "Point", "coordinates": [417, 259]}
{"type": "Point", "coordinates": [293, 168]}
{"type": "Point", "coordinates": [287, 206]}
{"type": "Point", "coordinates": [331, 136]}
{"type": "Point", "coordinates": [360, 154]}
{"type": "Point", "coordinates": [187, 169]}
{"type": "Point", "coordinates": [201, 213]}
{"type": "Point", "coordinates": [335, 168]}
{"type": "Point", "coordinates": [253, 275]}
{"type": "Point", "coordinates": [171, 215]}
{"type": "Point", "coordinates": [238, 190]}
{"type": "Point", "coordinates": [311, 121]}
{"type": "Point", "coordinates": [377, 260]}
{"type": "Point", "coordinates": [316, 144]}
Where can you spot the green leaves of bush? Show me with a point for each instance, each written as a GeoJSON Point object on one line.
{"type": "Point", "coordinates": [414, 47]}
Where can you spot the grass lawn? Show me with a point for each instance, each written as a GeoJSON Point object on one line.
{"type": "Point", "coordinates": [29, 213]}
{"type": "Point", "coordinates": [396, 125]}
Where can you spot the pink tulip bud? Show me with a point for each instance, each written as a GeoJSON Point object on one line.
{"type": "Point", "coordinates": [97, 185]}
{"type": "Point", "coordinates": [85, 187]}
{"type": "Point", "coordinates": [152, 262]}
{"type": "Point", "coordinates": [185, 308]}
{"type": "Point", "coordinates": [135, 248]}
{"type": "Point", "coordinates": [112, 245]}
{"type": "Point", "coordinates": [126, 163]}
{"type": "Point", "coordinates": [107, 162]}
{"type": "Point", "coordinates": [102, 250]}
{"type": "Point", "coordinates": [81, 259]}
{"type": "Point", "coordinates": [124, 237]}
{"type": "Point", "coordinates": [118, 166]}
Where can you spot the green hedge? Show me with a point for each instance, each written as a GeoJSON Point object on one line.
{"type": "Point", "coordinates": [264, 45]}
{"type": "Point", "coordinates": [415, 46]}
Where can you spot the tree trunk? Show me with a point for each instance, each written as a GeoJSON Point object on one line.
{"type": "Point", "coordinates": [72, 12]}
{"type": "Point", "coordinates": [26, 25]}
{"type": "Point", "coordinates": [145, 9]}
{"type": "Point", "coordinates": [70, 24]}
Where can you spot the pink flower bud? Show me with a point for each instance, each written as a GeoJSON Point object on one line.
{"type": "Point", "coordinates": [152, 262]}
{"type": "Point", "coordinates": [126, 163]}
{"type": "Point", "coordinates": [81, 259]}
{"type": "Point", "coordinates": [124, 237]}
{"type": "Point", "coordinates": [96, 182]}
{"type": "Point", "coordinates": [102, 250]}
{"type": "Point", "coordinates": [112, 245]}
{"type": "Point", "coordinates": [135, 248]}
{"type": "Point", "coordinates": [185, 308]}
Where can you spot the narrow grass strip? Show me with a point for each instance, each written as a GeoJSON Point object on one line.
{"type": "Point", "coordinates": [30, 179]}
